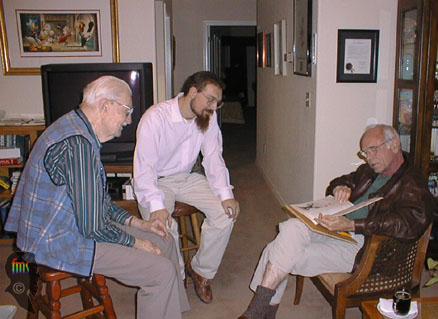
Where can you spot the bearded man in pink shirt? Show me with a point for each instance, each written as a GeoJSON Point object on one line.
{"type": "Point", "coordinates": [170, 136]}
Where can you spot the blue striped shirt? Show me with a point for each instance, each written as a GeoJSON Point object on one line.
{"type": "Point", "coordinates": [73, 163]}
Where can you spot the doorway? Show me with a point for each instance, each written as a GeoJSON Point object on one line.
{"type": "Point", "coordinates": [230, 52]}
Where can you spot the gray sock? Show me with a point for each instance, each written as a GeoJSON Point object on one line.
{"type": "Point", "coordinates": [259, 306]}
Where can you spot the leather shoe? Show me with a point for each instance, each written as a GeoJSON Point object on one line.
{"type": "Point", "coordinates": [202, 285]}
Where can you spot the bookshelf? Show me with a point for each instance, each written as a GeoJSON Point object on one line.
{"type": "Point", "coordinates": [33, 131]}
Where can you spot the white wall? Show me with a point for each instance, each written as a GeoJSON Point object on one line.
{"type": "Point", "coordinates": [21, 95]}
{"type": "Point", "coordinates": [307, 147]}
{"type": "Point", "coordinates": [188, 28]}
{"type": "Point", "coordinates": [342, 109]}
{"type": "Point", "coordinates": [285, 127]}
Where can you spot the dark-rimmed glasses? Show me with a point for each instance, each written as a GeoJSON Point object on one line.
{"type": "Point", "coordinates": [211, 101]}
{"type": "Point", "coordinates": [372, 150]}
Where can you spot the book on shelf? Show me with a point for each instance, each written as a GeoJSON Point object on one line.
{"type": "Point", "coordinates": [4, 209]}
{"type": "Point", "coordinates": [309, 211]}
{"type": "Point", "coordinates": [10, 152]}
{"type": "Point", "coordinates": [11, 161]}
{"type": "Point", "coordinates": [16, 141]}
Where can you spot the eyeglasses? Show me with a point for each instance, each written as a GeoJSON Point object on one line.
{"type": "Point", "coordinates": [129, 108]}
{"type": "Point", "coordinates": [371, 150]}
{"type": "Point", "coordinates": [211, 101]}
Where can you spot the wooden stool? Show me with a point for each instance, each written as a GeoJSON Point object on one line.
{"type": "Point", "coordinates": [183, 210]}
{"type": "Point", "coordinates": [49, 304]}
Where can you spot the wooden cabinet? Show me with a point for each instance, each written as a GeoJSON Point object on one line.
{"type": "Point", "coordinates": [416, 88]}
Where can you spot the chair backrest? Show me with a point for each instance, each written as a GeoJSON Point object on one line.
{"type": "Point", "coordinates": [396, 264]}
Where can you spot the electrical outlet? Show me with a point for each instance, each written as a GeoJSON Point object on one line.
{"type": "Point", "coordinates": [264, 147]}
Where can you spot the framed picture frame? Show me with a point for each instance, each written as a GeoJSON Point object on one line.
{"type": "Point", "coordinates": [357, 56]}
{"type": "Point", "coordinates": [261, 49]}
{"type": "Point", "coordinates": [302, 47]}
{"type": "Point", "coordinates": [283, 46]}
{"type": "Point", "coordinates": [268, 51]}
{"type": "Point", "coordinates": [277, 48]}
{"type": "Point", "coordinates": [31, 34]}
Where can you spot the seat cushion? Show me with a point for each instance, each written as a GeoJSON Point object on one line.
{"type": "Point", "coordinates": [329, 280]}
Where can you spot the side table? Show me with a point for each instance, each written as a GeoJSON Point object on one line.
{"type": "Point", "coordinates": [427, 308]}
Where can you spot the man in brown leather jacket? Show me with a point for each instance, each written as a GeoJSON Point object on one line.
{"type": "Point", "coordinates": [404, 213]}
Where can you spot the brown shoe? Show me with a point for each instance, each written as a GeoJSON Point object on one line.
{"type": "Point", "coordinates": [202, 285]}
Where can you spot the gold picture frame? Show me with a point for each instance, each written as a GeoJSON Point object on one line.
{"type": "Point", "coordinates": [18, 61]}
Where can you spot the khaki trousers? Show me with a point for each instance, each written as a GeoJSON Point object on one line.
{"type": "Point", "coordinates": [299, 251]}
{"type": "Point", "coordinates": [162, 294]}
{"type": "Point", "coordinates": [193, 189]}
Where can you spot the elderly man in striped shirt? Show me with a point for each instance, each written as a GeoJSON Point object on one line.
{"type": "Point", "coordinates": [63, 214]}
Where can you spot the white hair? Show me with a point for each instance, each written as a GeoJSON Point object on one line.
{"type": "Point", "coordinates": [388, 131]}
{"type": "Point", "coordinates": [105, 87]}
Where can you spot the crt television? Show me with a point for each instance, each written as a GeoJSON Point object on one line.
{"type": "Point", "coordinates": [62, 86]}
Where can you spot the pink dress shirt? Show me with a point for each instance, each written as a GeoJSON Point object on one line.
{"type": "Point", "coordinates": [168, 144]}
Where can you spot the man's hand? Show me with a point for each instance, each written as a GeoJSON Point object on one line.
{"type": "Point", "coordinates": [156, 226]}
{"type": "Point", "coordinates": [336, 223]}
{"type": "Point", "coordinates": [231, 208]}
{"type": "Point", "coordinates": [342, 193]}
{"type": "Point", "coordinates": [148, 246]}
{"type": "Point", "coordinates": [162, 215]}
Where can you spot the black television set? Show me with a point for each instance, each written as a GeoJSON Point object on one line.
{"type": "Point", "coordinates": [63, 84]}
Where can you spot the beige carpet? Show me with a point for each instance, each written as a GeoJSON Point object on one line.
{"type": "Point", "coordinates": [232, 113]}
{"type": "Point", "coordinates": [255, 227]}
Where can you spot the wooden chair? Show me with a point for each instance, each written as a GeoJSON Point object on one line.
{"type": "Point", "coordinates": [190, 238]}
{"type": "Point", "coordinates": [386, 265]}
{"type": "Point", "coordinates": [50, 305]}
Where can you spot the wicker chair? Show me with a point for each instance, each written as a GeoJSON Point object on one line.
{"type": "Point", "coordinates": [386, 265]}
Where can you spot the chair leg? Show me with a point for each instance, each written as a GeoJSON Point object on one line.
{"type": "Point", "coordinates": [185, 242]}
{"type": "Point", "coordinates": [86, 298]}
{"type": "Point", "coordinates": [100, 283]}
{"type": "Point", "coordinates": [196, 229]}
{"type": "Point", "coordinates": [338, 309]}
{"type": "Point", "coordinates": [298, 289]}
{"type": "Point", "coordinates": [54, 293]}
{"type": "Point", "coordinates": [35, 295]}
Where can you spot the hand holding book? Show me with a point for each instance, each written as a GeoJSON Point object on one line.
{"type": "Point", "coordinates": [336, 223]}
{"type": "Point", "coordinates": [331, 209]}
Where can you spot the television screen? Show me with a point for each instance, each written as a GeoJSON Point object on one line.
{"type": "Point", "coordinates": [62, 92]}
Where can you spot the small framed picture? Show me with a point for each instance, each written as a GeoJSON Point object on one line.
{"type": "Point", "coordinates": [357, 55]}
{"type": "Point", "coordinates": [268, 50]}
{"type": "Point", "coordinates": [261, 49]}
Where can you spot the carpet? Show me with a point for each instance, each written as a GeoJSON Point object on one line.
{"type": "Point", "coordinates": [232, 113]}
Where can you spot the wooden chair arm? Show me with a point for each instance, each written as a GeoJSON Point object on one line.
{"type": "Point", "coordinates": [358, 277]}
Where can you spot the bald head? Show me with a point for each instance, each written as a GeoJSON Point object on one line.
{"type": "Point", "coordinates": [380, 145]}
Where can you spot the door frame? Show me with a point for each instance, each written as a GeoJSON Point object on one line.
{"type": "Point", "coordinates": [208, 25]}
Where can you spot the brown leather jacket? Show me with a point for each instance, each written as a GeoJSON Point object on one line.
{"type": "Point", "coordinates": [406, 210]}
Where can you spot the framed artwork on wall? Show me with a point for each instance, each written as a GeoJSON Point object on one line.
{"type": "Point", "coordinates": [357, 55]}
{"type": "Point", "coordinates": [261, 49]}
{"type": "Point", "coordinates": [302, 47]}
{"type": "Point", "coordinates": [283, 46]}
{"type": "Point", "coordinates": [268, 51]}
{"type": "Point", "coordinates": [277, 48]}
{"type": "Point", "coordinates": [69, 32]}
